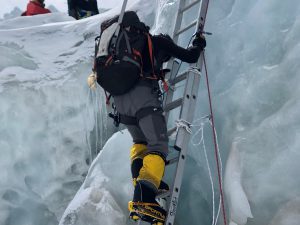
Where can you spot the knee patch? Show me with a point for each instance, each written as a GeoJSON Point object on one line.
{"type": "Point", "coordinates": [152, 170]}
{"type": "Point", "coordinates": [137, 151]}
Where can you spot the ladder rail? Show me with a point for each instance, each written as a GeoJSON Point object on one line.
{"type": "Point", "coordinates": [182, 142]}
{"type": "Point", "coordinates": [188, 106]}
{"type": "Point", "coordinates": [177, 26]}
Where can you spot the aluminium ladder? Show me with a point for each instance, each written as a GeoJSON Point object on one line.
{"type": "Point", "coordinates": [186, 104]}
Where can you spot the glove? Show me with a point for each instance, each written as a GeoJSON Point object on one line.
{"type": "Point", "coordinates": [199, 41]}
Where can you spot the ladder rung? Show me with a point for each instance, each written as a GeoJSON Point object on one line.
{"type": "Point", "coordinates": [172, 161]}
{"type": "Point", "coordinates": [186, 28]}
{"type": "Point", "coordinates": [189, 6]}
{"type": "Point", "coordinates": [173, 105]}
{"type": "Point", "coordinates": [164, 194]}
{"type": "Point", "coordinates": [171, 131]}
{"type": "Point", "coordinates": [179, 78]}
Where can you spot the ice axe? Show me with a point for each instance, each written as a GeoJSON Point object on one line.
{"type": "Point", "coordinates": [200, 31]}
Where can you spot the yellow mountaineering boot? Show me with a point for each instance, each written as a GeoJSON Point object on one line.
{"type": "Point", "coordinates": [144, 204]}
{"type": "Point", "coordinates": [137, 153]}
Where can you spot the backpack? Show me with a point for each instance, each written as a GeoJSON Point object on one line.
{"type": "Point", "coordinates": [118, 60]}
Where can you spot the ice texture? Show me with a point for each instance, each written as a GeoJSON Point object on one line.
{"type": "Point", "coordinates": [105, 192]}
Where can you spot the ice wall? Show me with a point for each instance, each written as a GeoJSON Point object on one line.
{"type": "Point", "coordinates": [253, 66]}
{"type": "Point", "coordinates": [48, 115]}
{"type": "Point", "coordinates": [44, 126]}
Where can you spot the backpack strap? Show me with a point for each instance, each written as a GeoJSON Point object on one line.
{"type": "Point", "coordinates": [97, 43]}
{"type": "Point", "coordinates": [107, 96]}
{"type": "Point", "coordinates": [150, 47]}
{"type": "Point", "coordinates": [161, 76]}
{"type": "Point", "coordinates": [126, 38]}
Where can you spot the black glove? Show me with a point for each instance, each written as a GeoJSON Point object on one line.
{"type": "Point", "coordinates": [199, 41]}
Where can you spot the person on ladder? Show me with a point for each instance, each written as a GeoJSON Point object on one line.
{"type": "Point", "coordinates": [140, 109]}
{"type": "Point", "coordinates": [150, 149]}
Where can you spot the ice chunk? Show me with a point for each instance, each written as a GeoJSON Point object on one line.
{"type": "Point", "coordinates": [236, 197]}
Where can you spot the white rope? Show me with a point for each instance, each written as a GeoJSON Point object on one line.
{"type": "Point", "coordinates": [200, 123]}
{"type": "Point", "coordinates": [201, 132]}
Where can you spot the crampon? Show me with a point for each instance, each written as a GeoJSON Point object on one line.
{"type": "Point", "coordinates": [149, 212]}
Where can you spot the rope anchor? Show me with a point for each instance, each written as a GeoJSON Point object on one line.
{"type": "Point", "coordinates": [181, 123]}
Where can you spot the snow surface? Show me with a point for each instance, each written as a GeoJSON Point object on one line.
{"type": "Point", "coordinates": [50, 122]}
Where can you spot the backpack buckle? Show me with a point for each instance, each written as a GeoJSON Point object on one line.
{"type": "Point", "coordinates": [115, 116]}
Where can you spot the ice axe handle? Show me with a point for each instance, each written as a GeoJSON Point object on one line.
{"type": "Point", "coordinates": [204, 32]}
{"type": "Point", "coordinates": [198, 33]}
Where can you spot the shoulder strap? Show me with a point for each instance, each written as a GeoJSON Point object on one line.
{"type": "Point", "coordinates": [150, 47]}
{"type": "Point", "coordinates": [160, 76]}
{"type": "Point", "coordinates": [97, 43]}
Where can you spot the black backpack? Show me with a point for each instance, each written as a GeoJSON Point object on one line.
{"type": "Point", "coordinates": [118, 60]}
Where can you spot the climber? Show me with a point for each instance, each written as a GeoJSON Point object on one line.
{"type": "Point", "coordinates": [35, 7]}
{"type": "Point", "coordinates": [80, 9]}
{"type": "Point", "coordinates": [139, 105]}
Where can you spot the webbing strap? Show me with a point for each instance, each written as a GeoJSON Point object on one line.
{"type": "Point", "coordinates": [126, 38]}
{"type": "Point", "coordinates": [131, 120]}
{"type": "Point", "coordinates": [128, 120]}
{"type": "Point", "coordinates": [128, 59]}
{"type": "Point", "coordinates": [147, 111]}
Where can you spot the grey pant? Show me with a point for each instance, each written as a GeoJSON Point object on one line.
{"type": "Point", "coordinates": [151, 129]}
